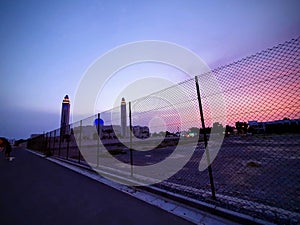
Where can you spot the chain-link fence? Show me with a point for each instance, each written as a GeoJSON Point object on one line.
{"type": "Point", "coordinates": [232, 141]}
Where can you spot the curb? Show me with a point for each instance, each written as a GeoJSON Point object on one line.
{"type": "Point", "coordinates": [196, 204]}
{"type": "Point", "coordinates": [215, 210]}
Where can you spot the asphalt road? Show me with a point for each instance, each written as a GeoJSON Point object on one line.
{"type": "Point", "coordinates": [36, 191]}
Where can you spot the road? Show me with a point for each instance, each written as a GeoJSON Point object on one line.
{"type": "Point", "coordinates": [36, 191]}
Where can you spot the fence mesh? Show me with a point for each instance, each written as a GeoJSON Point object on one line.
{"type": "Point", "coordinates": [253, 103]}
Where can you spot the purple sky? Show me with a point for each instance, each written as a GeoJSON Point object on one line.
{"type": "Point", "coordinates": [46, 46]}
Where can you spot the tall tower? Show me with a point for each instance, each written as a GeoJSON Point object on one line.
{"type": "Point", "coordinates": [123, 118]}
{"type": "Point", "coordinates": [65, 116]}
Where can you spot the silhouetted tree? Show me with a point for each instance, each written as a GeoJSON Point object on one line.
{"type": "Point", "coordinates": [241, 127]}
{"type": "Point", "coordinates": [194, 130]}
{"type": "Point", "coordinates": [228, 130]}
{"type": "Point", "coordinates": [217, 127]}
{"type": "Point", "coordinates": [169, 134]}
{"type": "Point", "coordinates": [207, 130]}
{"type": "Point", "coordinates": [17, 142]}
{"type": "Point", "coordinates": [162, 134]}
{"type": "Point", "coordinates": [155, 134]}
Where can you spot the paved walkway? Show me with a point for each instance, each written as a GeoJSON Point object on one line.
{"type": "Point", "coordinates": [37, 191]}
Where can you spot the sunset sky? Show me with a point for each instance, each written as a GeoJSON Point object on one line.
{"type": "Point", "coordinates": [46, 46]}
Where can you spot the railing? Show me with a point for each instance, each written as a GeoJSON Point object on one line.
{"type": "Point", "coordinates": [255, 106]}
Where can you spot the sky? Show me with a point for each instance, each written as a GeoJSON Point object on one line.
{"type": "Point", "coordinates": [47, 46]}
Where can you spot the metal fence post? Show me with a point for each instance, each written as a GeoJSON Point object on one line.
{"type": "Point", "coordinates": [43, 143]}
{"type": "Point", "coordinates": [59, 145]}
{"type": "Point", "coordinates": [54, 142]}
{"type": "Point", "coordinates": [130, 128]}
{"type": "Point", "coordinates": [80, 131]}
{"type": "Point", "coordinates": [68, 142]}
{"type": "Point", "coordinates": [49, 146]}
{"type": "Point", "coordinates": [98, 137]}
{"type": "Point", "coordinates": [213, 192]}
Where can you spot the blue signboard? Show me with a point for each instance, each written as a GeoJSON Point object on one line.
{"type": "Point", "coordinates": [97, 122]}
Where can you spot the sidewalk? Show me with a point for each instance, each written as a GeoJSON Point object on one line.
{"type": "Point", "coordinates": [37, 191]}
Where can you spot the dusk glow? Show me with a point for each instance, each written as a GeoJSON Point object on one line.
{"type": "Point", "coordinates": [47, 46]}
{"type": "Point", "coordinates": [150, 112]}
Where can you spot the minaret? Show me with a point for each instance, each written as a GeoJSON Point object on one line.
{"type": "Point", "coordinates": [123, 118]}
{"type": "Point", "coordinates": [65, 116]}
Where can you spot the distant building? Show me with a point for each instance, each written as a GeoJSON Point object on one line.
{"type": "Point", "coordinates": [276, 126]}
{"type": "Point", "coordinates": [257, 127]}
{"type": "Point", "coordinates": [141, 132]}
{"type": "Point", "coordinates": [65, 116]}
{"type": "Point", "coordinates": [123, 118]}
{"type": "Point", "coordinates": [109, 132]}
